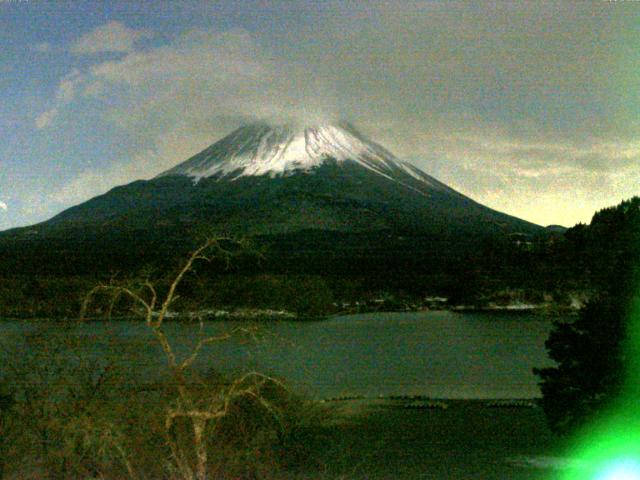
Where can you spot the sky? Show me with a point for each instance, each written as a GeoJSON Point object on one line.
{"type": "Point", "coordinates": [530, 108]}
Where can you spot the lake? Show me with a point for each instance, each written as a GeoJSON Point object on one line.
{"type": "Point", "coordinates": [439, 354]}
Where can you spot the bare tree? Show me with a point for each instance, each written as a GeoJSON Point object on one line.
{"type": "Point", "coordinates": [198, 411]}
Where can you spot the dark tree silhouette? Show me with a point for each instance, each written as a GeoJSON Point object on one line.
{"type": "Point", "coordinates": [589, 351]}
{"type": "Point", "coordinates": [589, 357]}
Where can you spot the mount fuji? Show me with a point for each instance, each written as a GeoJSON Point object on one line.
{"type": "Point", "coordinates": [318, 197]}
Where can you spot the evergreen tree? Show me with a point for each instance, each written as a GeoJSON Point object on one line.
{"type": "Point", "coordinates": [589, 352]}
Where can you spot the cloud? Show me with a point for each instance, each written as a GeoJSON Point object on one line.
{"type": "Point", "coordinates": [65, 94]}
{"type": "Point", "coordinates": [45, 119]}
{"type": "Point", "coordinates": [43, 47]}
{"type": "Point", "coordinates": [66, 91]}
{"type": "Point", "coordinates": [91, 182]}
{"type": "Point", "coordinates": [143, 165]}
{"type": "Point", "coordinates": [111, 37]}
{"type": "Point", "coordinates": [3, 206]}
{"type": "Point", "coordinates": [545, 182]}
{"type": "Point", "coordinates": [94, 89]}
{"type": "Point", "coordinates": [203, 76]}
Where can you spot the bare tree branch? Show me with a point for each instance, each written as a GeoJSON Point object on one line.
{"type": "Point", "coordinates": [187, 405]}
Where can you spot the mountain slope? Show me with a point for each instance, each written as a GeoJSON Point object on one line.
{"type": "Point", "coordinates": [312, 192]}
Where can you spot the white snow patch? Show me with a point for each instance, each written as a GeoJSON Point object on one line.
{"type": "Point", "coordinates": [415, 173]}
{"type": "Point", "coordinates": [280, 151]}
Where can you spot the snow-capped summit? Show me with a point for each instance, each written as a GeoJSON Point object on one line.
{"type": "Point", "coordinates": [262, 149]}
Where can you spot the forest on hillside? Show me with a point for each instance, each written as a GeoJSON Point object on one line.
{"type": "Point", "coordinates": [555, 268]}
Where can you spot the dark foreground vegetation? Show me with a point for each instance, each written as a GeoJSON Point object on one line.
{"type": "Point", "coordinates": [68, 416]}
{"type": "Point", "coordinates": [592, 362]}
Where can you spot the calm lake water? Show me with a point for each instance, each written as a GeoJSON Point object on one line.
{"type": "Point", "coordinates": [440, 354]}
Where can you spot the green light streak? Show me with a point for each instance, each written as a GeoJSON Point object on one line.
{"type": "Point", "coordinates": [609, 448]}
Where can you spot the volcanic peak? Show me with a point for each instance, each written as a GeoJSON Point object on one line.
{"type": "Point", "coordinates": [262, 149]}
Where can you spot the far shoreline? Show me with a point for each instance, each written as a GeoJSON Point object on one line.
{"type": "Point", "coordinates": [272, 315]}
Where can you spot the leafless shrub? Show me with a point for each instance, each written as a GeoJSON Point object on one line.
{"type": "Point", "coordinates": [195, 407]}
{"type": "Point", "coordinates": [56, 393]}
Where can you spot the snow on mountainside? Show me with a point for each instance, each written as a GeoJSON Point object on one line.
{"type": "Point", "coordinates": [261, 149]}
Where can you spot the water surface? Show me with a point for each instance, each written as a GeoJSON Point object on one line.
{"type": "Point", "coordinates": [439, 354]}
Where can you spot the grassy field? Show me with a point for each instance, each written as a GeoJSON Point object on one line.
{"type": "Point", "coordinates": [467, 440]}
